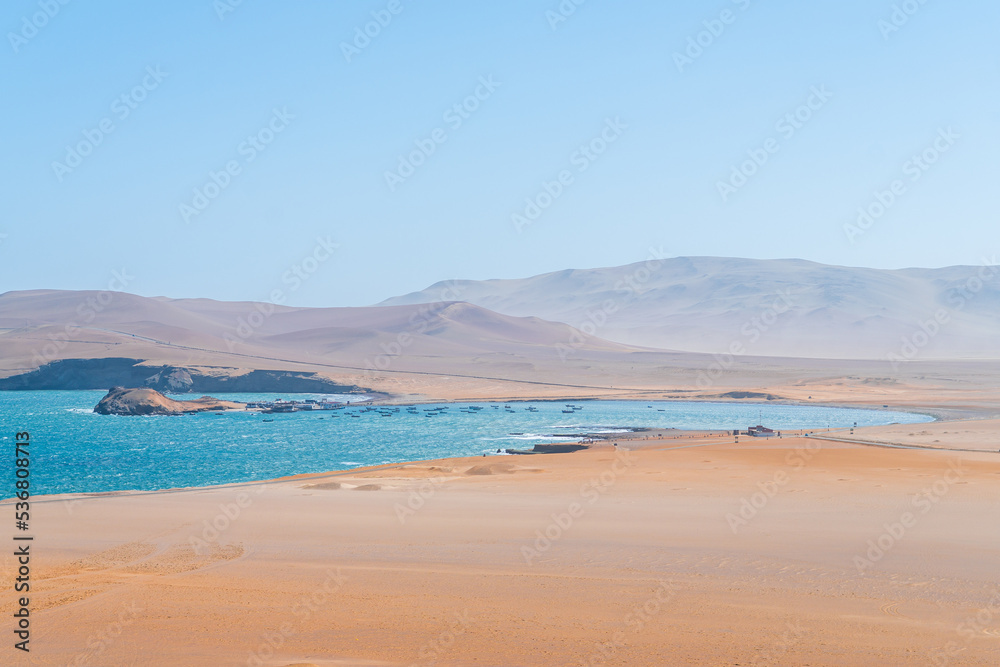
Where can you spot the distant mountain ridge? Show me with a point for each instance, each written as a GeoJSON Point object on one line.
{"type": "Point", "coordinates": [781, 307]}
{"type": "Point", "coordinates": [199, 344]}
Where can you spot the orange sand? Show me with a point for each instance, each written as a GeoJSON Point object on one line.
{"type": "Point", "coordinates": [648, 562]}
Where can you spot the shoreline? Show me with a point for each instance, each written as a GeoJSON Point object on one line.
{"type": "Point", "coordinates": [918, 410]}
{"type": "Point", "coordinates": [660, 395]}
{"type": "Point", "coordinates": [640, 434]}
{"type": "Point", "coordinates": [739, 539]}
{"type": "Point", "coordinates": [375, 402]}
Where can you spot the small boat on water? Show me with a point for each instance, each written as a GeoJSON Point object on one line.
{"type": "Point", "coordinates": [268, 420]}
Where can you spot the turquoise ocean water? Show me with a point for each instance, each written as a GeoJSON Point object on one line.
{"type": "Point", "coordinates": [75, 450]}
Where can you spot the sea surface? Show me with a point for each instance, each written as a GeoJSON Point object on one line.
{"type": "Point", "coordinates": [75, 450]}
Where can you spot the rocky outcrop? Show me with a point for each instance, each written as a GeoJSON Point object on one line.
{"type": "Point", "coordinates": [174, 380]}
{"type": "Point", "coordinates": [755, 395]}
{"type": "Point", "coordinates": [81, 374]}
{"type": "Point", "coordinates": [115, 371]}
{"type": "Point", "coordinates": [139, 401]}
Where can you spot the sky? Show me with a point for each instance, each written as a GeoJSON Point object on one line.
{"type": "Point", "coordinates": [340, 153]}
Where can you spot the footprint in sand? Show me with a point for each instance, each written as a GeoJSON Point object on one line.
{"type": "Point", "coordinates": [85, 577]}
{"type": "Point", "coordinates": [180, 558]}
{"type": "Point", "coordinates": [100, 572]}
{"type": "Point", "coordinates": [63, 598]}
{"type": "Point", "coordinates": [109, 559]}
{"type": "Point", "coordinates": [892, 609]}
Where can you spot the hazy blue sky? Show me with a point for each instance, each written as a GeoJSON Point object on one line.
{"type": "Point", "coordinates": [203, 79]}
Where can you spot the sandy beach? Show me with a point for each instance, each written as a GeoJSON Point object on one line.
{"type": "Point", "coordinates": [685, 549]}
{"type": "Point", "coordinates": [391, 334]}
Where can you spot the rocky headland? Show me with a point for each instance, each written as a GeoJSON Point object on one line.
{"type": "Point", "coordinates": [141, 401]}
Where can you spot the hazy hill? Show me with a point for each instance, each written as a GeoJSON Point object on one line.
{"type": "Point", "coordinates": [448, 351]}
{"type": "Point", "coordinates": [782, 307]}
{"type": "Point", "coordinates": [42, 326]}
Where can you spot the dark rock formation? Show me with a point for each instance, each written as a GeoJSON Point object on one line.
{"type": "Point", "coordinates": [748, 394]}
{"type": "Point", "coordinates": [175, 380]}
{"type": "Point", "coordinates": [81, 374]}
{"type": "Point", "coordinates": [114, 371]}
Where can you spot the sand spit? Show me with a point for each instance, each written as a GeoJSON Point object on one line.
{"type": "Point", "coordinates": [685, 549]}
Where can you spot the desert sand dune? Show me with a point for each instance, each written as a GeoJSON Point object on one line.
{"type": "Point", "coordinates": [666, 565]}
